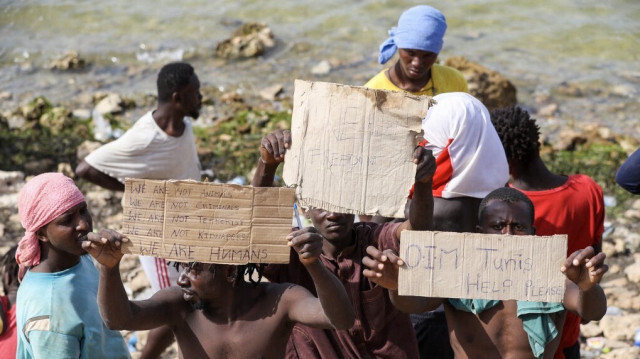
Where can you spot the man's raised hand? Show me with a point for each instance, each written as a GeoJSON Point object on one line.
{"type": "Point", "coordinates": [426, 164]}
{"type": "Point", "coordinates": [382, 267]}
{"type": "Point", "coordinates": [274, 146]}
{"type": "Point", "coordinates": [585, 268]}
{"type": "Point", "coordinates": [308, 243]}
{"type": "Point", "coordinates": [104, 246]}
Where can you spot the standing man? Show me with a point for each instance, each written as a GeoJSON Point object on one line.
{"type": "Point", "coordinates": [581, 215]}
{"type": "Point", "coordinates": [380, 330]}
{"type": "Point", "coordinates": [161, 146]}
{"type": "Point", "coordinates": [505, 328]}
{"type": "Point", "coordinates": [417, 39]}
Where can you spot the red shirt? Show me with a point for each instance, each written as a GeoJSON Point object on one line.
{"type": "Point", "coordinates": [8, 340]}
{"type": "Point", "coordinates": [576, 209]}
{"type": "Point", "coordinates": [380, 330]}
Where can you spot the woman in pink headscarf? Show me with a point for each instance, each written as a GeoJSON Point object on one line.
{"type": "Point", "coordinates": [57, 312]}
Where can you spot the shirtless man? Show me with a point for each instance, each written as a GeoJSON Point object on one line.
{"type": "Point", "coordinates": [496, 330]}
{"type": "Point", "coordinates": [214, 313]}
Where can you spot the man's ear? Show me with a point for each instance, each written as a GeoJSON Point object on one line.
{"type": "Point", "coordinates": [176, 97]}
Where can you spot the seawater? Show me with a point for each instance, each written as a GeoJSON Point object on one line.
{"type": "Point", "coordinates": [538, 45]}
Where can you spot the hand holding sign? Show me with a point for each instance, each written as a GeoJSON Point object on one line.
{"type": "Point", "coordinates": [426, 164]}
{"type": "Point", "coordinates": [383, 267]}
{"type": "Point", "coordinates": [585, 268]}
{"type": "Point", "coordinates": [308, 243]}
{"type": "Point", "coordinates": [104, 246]}
{"type": "Point", "coordinates": [274, 146]}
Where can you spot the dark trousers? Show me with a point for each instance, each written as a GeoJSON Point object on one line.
{"type": "Point", "coordinates": [433, 335]}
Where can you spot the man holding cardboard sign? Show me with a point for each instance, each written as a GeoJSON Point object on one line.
{"type": "Point", "coordinates": [380, 330]}
{"type": "Point", "coordinates": [482, 328]}
{"type": "Point", "coordinates": [213, 308]}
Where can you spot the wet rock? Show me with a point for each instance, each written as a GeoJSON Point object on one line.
{"type": "Point", "coordinates": [250, 40]}
{"type": "Point", "coordinates": [487, 85]}
{"type": "Point", "coordinates": [70, 61]}
{"type": "Point", "coordinates": [271, 93]}
{"type": "Point", "coordinates": [56, 119]}
{"type": "Point", "coordinates": [111, 104]}
{"type": "Point", "coordinates": [33, 110]}
{"type": "Point", "coordinates": [322, 68]}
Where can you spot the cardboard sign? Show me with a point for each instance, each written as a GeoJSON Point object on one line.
{"type": "Point", "coordinates": [189, 221]}
{"type": "Point", "coordinates": [352, 147]}
{"type": "Point", "coordinates": [482, 266]}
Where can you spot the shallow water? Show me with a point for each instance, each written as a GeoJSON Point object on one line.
{"type": "Point", "coordinates": [538, 45]}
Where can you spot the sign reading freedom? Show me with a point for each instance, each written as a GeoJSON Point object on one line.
{"type": "Point", "coordinates": [482, 266]}
{"type": "Point", "coordinates": [190, 221]}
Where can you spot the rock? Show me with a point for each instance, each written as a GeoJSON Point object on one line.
{"type": "Point", "coordinates": [70, 61]}
{"type": "Point", "coordinates": [81, 113]}
{"type": "Point", "coordinates": [623, 353]}
{"type": "Point", "coordinates": [322, 68]}
{"type": "Point", "coordinates": [568, 139]}
{"type": "Point", "coordinates": [608, 248]}
{"type": "Point", "coordinates": [39, 166]}
{"type": "Point", "coordinates": [85, 148]}
{"type": "Point", "coordinates": [11, 181]}
{"type": "Point", "coordinates": [250, 40]}
{"type": "Point", "coordinates": [633, 272]}
{"type": "Point", "coordinates": [57, 119]}
{"type": "Point", "coordinates": [111, 104]}
{"type": "Point", "coordinates": [271, 93]}
{"type": "Point", "coordinates": [620, 327]}
{"type": "Point", "coordinates": [6, 95]}
{"type": "Point", "coordinates": [632, 213]}
{"type": "Point", "coordinates": [591, 329]}
{"type": "Point", "coordinates": [138, 282]}
{"type": "Point", "coordinates": [486, 85]}
{"type": "Point", "coordinates": [615, 269]}
{"type": "Point", "coordinates": [548, 110]}
{"type": "Point", "coordinates": [623, 90]}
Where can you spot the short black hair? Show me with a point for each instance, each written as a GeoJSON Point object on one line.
{"type": "Point", "coordinates": [506, 194]}
{"type": "Point", "coordinates": [9, 266]}
{"type": "Point", "coordinates": [172, 78]}
{"type": "Point", "coordinates": [519, 134]}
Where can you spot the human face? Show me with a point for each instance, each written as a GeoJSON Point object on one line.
{"type": "Point", "coordinates": [191, 98]}
{"type": "Point", "coordinates": [198, 283]}
{"type": "Point", "coordinates": [66, 232]}
{"type": "Point", "coordinates": [500, 217]}
{"type": "Point", "coordinates": [334, 226]}
{"type": "Point", "coordinates": [415, 64]}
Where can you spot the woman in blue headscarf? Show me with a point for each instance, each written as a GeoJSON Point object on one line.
{"type": "Point", "coordinates": [418, 40]}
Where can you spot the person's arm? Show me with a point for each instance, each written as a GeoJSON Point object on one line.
{"type": "Point", "coordinates": [382, 269]}
{"type": "Point", "coordinates": [117, 311]}
{"type": "Point", "coordinates": [628, 176]}
{"type": "Point", "coordinates": [272, 150]}
{"type": "Point", "coordinates": [89, 173]}
{"type": "Point", "coordinates": [583, 295]}
{"type": "Point", "coordinates": [332, 308]}
{"type": "Point", "coordinates": [421, 207]}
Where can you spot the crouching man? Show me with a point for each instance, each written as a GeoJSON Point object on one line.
{"type": "Point", "coordinates": [509, 328]}
{"type": "Point", "coordinates": [215, 313]}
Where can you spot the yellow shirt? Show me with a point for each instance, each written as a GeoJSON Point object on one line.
{"type": "Point", "coordinates": [443, 79]}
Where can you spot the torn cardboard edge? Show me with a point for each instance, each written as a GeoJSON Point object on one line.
{"type": "Point", "coordinates": [186, 221]}
{"type": "Point", "coordinates": [482, 266]}
{"type": "Point", "coordinates": [352, 146]}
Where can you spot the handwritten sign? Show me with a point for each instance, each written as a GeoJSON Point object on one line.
{"type": "Point", "coordinates": [482, 266]}
{"type": "Point", "coordinates": [352, 147]}
{"type": "Point", "coordinates": [207, 222]}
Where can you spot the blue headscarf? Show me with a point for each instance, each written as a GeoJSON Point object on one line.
{"type": "Point", "coordinates": [421, 28]}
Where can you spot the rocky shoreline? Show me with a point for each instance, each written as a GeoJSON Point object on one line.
{"type": "Point", "coordinates": [40, 136]}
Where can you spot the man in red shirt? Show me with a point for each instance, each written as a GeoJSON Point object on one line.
{"type": "Point", "coordinates": [571, 205]}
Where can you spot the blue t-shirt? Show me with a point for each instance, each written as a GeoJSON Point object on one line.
{"type": "Point", "coordinates": [57, 316]}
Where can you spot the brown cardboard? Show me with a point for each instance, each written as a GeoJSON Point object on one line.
{"type": "Point", "coordinates": [482, 266]}
{"type": "Point", "coordinates": [352, 147]}
{"type": "Point", "coordinates": [189, 221]}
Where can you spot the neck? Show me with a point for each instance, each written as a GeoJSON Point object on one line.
{"type": "Point", "coordinates": [397, 77]}
{"type": "Point", "coordinates": [333, 249]}
{"type": "Point", "coordinates": [227, 307]}
{"type": "Point", "coordinates": [52, 261]}
{"type": "Point", "coordinates": [169, 120]}
{"type": "Point", "coordinates": [536, 177]}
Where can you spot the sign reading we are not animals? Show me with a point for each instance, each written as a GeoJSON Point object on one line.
{"type": "Point", "coordinates": [190, 221]}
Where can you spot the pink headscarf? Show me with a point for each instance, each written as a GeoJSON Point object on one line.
{"type": "Point", "coordinates": [42, 199]}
